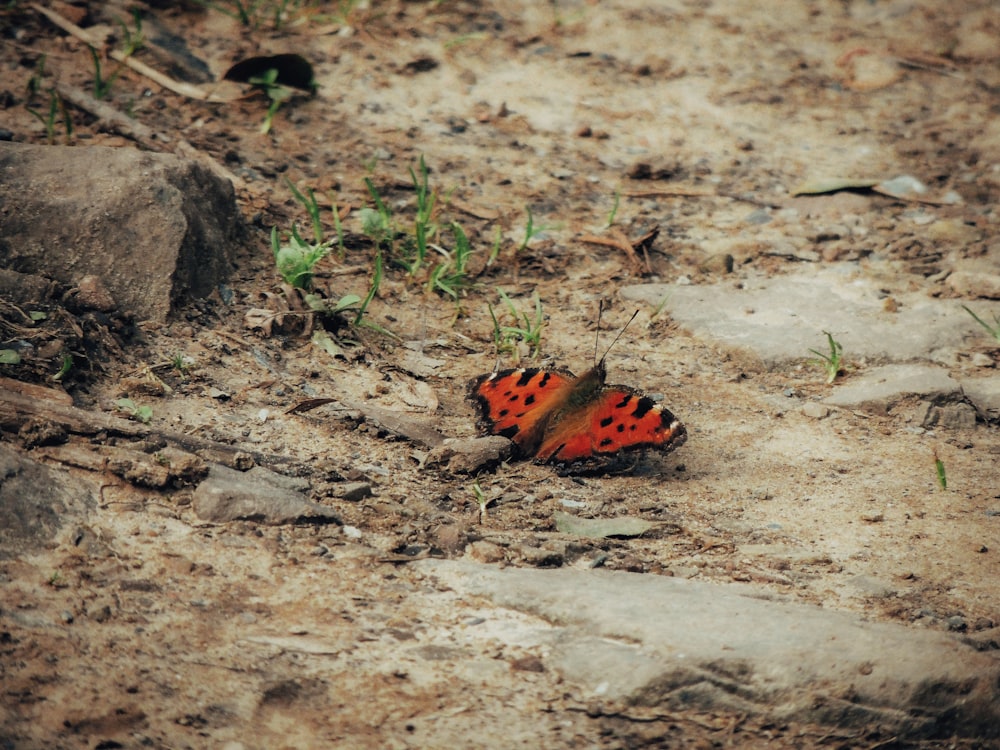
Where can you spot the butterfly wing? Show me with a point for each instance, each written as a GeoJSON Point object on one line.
{"type": "Point", "coordinates": [517, 403]}
{"type": "Point", "coordinates": [618, 418]}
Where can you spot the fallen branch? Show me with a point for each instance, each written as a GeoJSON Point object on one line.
{"type": "Point", "coordinates": [110, 117]}
{"type": "Point", "coordinates": [19, 404]}
{"type": "Point", "coordinates": [670, 192]}
{"type": "Point", "coordinates": [685, 192]}
{"type": "Point", "coordinates": [617, 239]}
{"type": "Point", "coordinates": [398, 423]}
{"type": "Point", "coordinates": [178, 87]}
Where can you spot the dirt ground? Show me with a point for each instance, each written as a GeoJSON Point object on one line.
{"type": "Point", "coordinates": [699, 116]}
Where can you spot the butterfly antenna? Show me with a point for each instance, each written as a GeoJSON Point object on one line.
{"type": "Point", "coordinates": [597, 336]}
{"type": "Point", "coordinates": [618, 336]}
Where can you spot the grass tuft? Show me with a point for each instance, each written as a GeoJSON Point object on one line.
{"type": "Point", "coordinates": [833, 361]}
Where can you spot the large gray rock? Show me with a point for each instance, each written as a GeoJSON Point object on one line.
{"type": "Point", "coordinates": [881, 388]}
{"type": "Point", "coordinates": [155, 229]}
{"type": "Point", "coordinates": [36, 502]}
{"type": "Point", "coordinates": [779, 319]}
{"type": "Point", "coordinates": [657, 641]}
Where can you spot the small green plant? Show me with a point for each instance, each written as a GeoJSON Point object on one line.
{"type": "Point", "coordinates": [531, 231]}
{"type": "Point", "coordinates": [423, 225]}
{"type": "Point", "coordinates": [296, 260]}
{"type": "Point", "coordinates": [527, 328]}
{"type": "Point", "coordinates": [660, 306]}
{"type": "Point", "coordinates": [373, 287]}
{"type": "Point", "coordinates": [56, 105]}
{"type": "Point", "coordinates": [246, 12]}
{"type": "Point", "coordinates": [9, 357]}
{"type": "Point", "coordinates": [140, 413]}
{"type": "Point", "coordinates": [181, 363]}
{"type": "Point", "coordinates": [495, 251]}
{"type": "Point", "coordinates": [450, 277]}
{"type": "Point", "coordinates": [481, 500]}
{"type": "Point", "coordinates": [993, 330]}
{"type": "Point", "coordinates": [320, 304]}
{"type": "Point", "coordinates": [338, 227]}
{"type": "Point", "coordinates": [939, 468]}
{"type": "Point", "coordinates": [831, 362]}
{"type": "Point", "coordinates": [614, 209]}
{"type": "Point", "coordinates": [255, 13]}
{"type": "Point", "coordinates": [278, 94]}
{"type": "Point", "coordinates": [310, 205]}
{"type": "Point", "coordinates": [102, 86]}
{"type": "Point", "coordinates": [132, 42]}
{"type": "Point", "coordinates": [64, 368]}
{"type": "Point", "coordinates": [376, 223]}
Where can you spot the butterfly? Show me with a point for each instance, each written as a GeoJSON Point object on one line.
{"type": "Point", "coordinates": [554, 416]}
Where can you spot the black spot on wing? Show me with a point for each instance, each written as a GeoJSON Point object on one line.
{"type": "Point", "coordinates": [643, 406]}
{"type": "Point", "coordinates": [526, 377]}
{"type": "Point", "coordinates": [626, 397]}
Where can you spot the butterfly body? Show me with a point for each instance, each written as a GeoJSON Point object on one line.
{"type": "Point", "coordinates": [556, 416]}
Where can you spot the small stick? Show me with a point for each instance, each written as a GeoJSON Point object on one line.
{"type": "Point", "coordinates": [178, 87]}
{"type": "Point", "coordinates": [141, 134]}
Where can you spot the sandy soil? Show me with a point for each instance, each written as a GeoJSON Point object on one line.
{"type": "Point", "coordinates": [163, 631]}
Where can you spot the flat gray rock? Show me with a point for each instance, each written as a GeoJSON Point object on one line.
{"type": "Point", "coordinates": [984, 393]}
{"type": "Point", "coordinates": [880, 388]}
{"type": "Point", "coordinates": [656, 641]}
{"type": "Point", "coordinates": [779, 319]}
{"type": "Point", "coordinates": [230, 495]}
{"type": "Point", "coordinates": [150, 229]}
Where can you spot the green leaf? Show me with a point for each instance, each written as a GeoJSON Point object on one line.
{"type": "Point", "coordinates": [321, 339]}
{"type": "Point", "coordinates": [9, 357]}
{"type": "Point", "coordinates": [833, 185]}
{"type": "Point", "coordinates": [597, 528]}
{"type": "Point", "coordinates": [346, 302]}
{"type": "Point", "coordinates": [371, 222]}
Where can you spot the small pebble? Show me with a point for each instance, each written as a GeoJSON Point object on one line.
{"type": "Point", "coordinates": [485, 552]}
{"type": "Point", "coordinates": [814, 410]}
{"type": "Point", "coordinates": [957, 623]}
